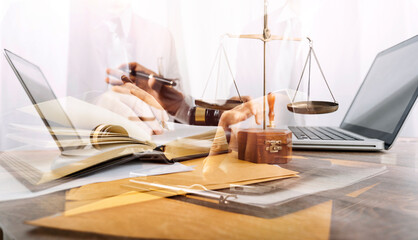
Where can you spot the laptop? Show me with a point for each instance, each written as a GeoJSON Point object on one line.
{"type": "Point", "coordinates": [379, 109]}
{"type": "Point", "coordinates": [76, 158]}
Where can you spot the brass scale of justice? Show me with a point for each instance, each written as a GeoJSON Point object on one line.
{"type": "Point", "coordinates": [302, 107]}
{"type": "Point", "coordinates": [270, 145]}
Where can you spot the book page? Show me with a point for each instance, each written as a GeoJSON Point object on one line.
{"type": "Point", "coordinates": [177, 131]}
{"type": "Point", "coordinates": [86, 116]}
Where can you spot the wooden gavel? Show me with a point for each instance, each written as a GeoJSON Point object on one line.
{"type": "Point", "coordinates": [271, 98]}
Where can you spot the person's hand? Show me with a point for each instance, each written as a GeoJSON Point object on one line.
{"type": "Point", "coordinates": [137, 105]}
{"type": "Point", "coordinates": [242, 112]}
{"type": "Point", "coordinates": [168, 97]}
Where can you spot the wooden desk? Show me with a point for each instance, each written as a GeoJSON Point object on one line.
{"type": "Point", "coordinates": [383, 207]}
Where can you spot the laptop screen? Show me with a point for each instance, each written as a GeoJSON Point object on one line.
{"type": "Point", "coordinates": [45, 102]}
{"type": "Point", "coordinates": [387, 94]}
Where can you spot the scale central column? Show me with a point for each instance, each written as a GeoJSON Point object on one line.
{"type": "Point", "coordinates": [264, 85]}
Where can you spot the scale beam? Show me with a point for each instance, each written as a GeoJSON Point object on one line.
{"type": "Point", "coordinates": [261, 37]}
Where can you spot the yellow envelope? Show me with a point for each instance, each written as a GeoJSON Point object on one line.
{"type": "Point", "coordinates": [213, 172]}
{"type": "Point", "coordinates": [82, 206]}
{"type": "Point", "coordinates": [123, 199]}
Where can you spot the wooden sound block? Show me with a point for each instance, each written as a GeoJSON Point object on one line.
{"type": "Point", "coordinates": [265, 146]}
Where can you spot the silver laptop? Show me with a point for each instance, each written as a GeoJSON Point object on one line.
{"type": "Point", "coordinates": [378, 111]}
{"type": "Point", "coordinates": [73, 150]}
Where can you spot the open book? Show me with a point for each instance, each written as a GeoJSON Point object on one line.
{"type": "Point", "coordinates": [97, 138]}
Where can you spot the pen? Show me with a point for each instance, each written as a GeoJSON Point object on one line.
{"type": "Point", "coordinates": [125, 79]}
{"type": "Point", "coordinates": [165, 81]}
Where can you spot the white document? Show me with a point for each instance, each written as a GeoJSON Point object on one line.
{"type": "Point", "coordinates": [151, 169]}
{"type": "Point", "coordinates": [317, 180]}
{"type": "Point", "coordinates": [11, 188]}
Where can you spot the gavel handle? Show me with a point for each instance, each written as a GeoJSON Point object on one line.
{"type": "Point", "coordinates": [271, 98]}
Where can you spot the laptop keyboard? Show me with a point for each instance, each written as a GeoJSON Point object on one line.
{"type": "Point", "coordinates": [321, 133]}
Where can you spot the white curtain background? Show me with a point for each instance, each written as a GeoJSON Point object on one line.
{"type": "Point", "coordinates": [347, 36]}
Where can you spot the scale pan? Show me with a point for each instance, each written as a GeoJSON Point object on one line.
{"type": "Point", "coordinates": [312, 107]}
{"type": "Point", "coordinates": [218, 104]}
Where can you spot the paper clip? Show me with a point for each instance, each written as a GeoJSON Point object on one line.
{"type": "Point", "coordinates": [259, 189]}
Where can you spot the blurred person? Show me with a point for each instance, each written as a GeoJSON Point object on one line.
{"type": "Point", "coordinates": [116, 35]}
{"type": "Point", "coordinates": [106, 33]}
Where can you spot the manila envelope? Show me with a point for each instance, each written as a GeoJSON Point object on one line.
{"type": "Point", "coordinates": [212, 172]}
{"type": "Point", "coordinates": [136, 196]}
